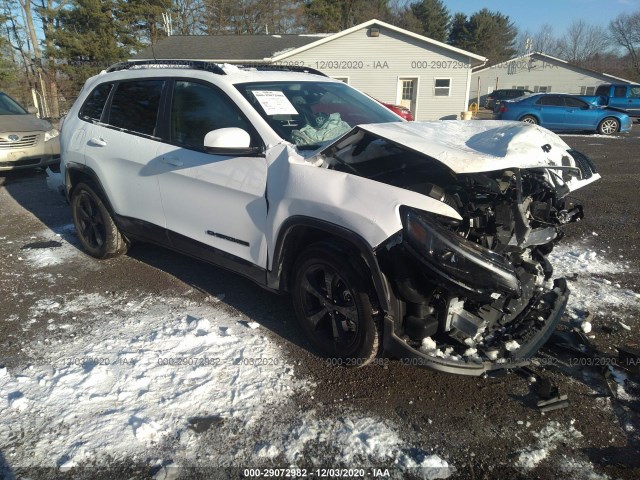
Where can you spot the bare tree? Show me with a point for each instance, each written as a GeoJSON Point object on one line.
{"type": "Point", "coordinates": [625, 31]}
{"type": "Point", "coordinates": [543, 41]}
{"type": "Point", "coordinates": [582, 42]}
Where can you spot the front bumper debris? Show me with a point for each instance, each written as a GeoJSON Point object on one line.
{"type": "Point", "coordinates": [531, 329]}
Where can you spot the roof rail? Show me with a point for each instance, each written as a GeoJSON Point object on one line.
{"type": "Point", "coordinates": [281, 68]}
{"type": "Point", "coordinates": [211, 66]}
{"type": "Point", "coordinates": [195, 64]}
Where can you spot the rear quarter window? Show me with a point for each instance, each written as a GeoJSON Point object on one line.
{"type": "Point", "coordinates": [94, 103]}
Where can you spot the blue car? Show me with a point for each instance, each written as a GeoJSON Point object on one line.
{"type": "Point", "coordinates": [565, 112]}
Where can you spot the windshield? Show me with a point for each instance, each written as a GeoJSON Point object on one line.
{"type": "Point", "coordinates": [310, 114]}
{"type": "Point", "coordinates": [8, 106]}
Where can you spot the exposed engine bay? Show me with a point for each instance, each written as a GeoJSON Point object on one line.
{"type": "Point", "coordinates": [479, 289]}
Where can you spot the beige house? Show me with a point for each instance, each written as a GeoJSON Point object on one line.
{"type": "Point", "coordinates": [389, 63]}
{"type": "Point", "coordinates": [539, 73]}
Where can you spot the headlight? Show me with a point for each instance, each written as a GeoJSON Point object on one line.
{"type": "Point", "coordinates": [51, 134]}
{"type": "Point", "coordinates": [464, 262]}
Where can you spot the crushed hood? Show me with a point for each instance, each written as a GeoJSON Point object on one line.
{"type": "Point", "coordinates": [469, 146]}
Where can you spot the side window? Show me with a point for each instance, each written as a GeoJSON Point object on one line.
{"type": "Point", "coordinates": [620, 92]}
{"type": "Point", "coordinates": [94, 104]}
{"type": "Point", "coordinates": [574, 102]}
{"type": "Point", "coordinates": [551, 100]}
{"type": "Point", "coordinates": [635, 92]}
{"type": "Point", "coordinates": [196, 109]}
{"type": "Point", "coordinates": [134, 106]}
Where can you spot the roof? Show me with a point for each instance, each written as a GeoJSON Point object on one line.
{"type": "Point", "coordinates": [267, 48]}
{"type": "Point", "coordinates": [549, 57]}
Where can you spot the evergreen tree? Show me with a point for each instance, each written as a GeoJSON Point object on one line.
{"type": "Point", "coordinates": [486, 33]}
{"type": "Point", "coordinates": [433, 17]}
{"type": "Point", "coordinates": [336, 15]}
{"type": "Point", "coordinates": [458, 34]}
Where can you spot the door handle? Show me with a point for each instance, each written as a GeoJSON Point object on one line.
{"type": "Point", "coordinates": [175, 161]}
{"type": "Point", "coordinates": [98, 142]}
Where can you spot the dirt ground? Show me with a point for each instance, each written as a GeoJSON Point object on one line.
{"type": "Point", "coordinates": [481, 426]}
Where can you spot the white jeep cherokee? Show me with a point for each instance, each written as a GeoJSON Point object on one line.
{"type": "Point", "coordinates": [426, 239]}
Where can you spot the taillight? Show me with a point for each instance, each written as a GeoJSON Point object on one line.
{"type": "Point", "coordinates": [503, 108]}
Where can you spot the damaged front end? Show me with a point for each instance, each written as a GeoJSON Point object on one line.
{"type": "Point", "coordinates": [477, 294]}
{"type": "Point", "coordinates": [473, 293]}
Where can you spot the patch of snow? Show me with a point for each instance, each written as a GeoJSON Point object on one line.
{"type": "Point", "coordinates": [511, 345]}
{"type": "Point", "coordinates": [133, 377]}
{"type": "Point", "coordinates": [548, 439]}
{"type": "Point", "coordinates": [358, 438]}
{"type": "Point", "coordinates": [582, 266]}
{"type": "Point", "coordinates": [586, 327]}
{"type": "Point", "coordinates": [591, 135]}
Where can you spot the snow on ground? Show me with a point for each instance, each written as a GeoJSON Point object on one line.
{"type": "Point", "coordinates": [132, 375]}
{"type": "Point", "coordinates": [549, 438]}
{"type": "Point", "coordinates": [50, 248]}
{"type": "Point", "coordinates": [164, 379]}
{"type": "Point", "coordinates": [587, 270]}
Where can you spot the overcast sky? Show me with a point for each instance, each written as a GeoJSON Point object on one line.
{"type": "Point", "coordinates": [557, 13]}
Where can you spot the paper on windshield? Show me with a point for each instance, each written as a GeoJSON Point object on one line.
{"type": "Point", "coordinates": [274, 102]}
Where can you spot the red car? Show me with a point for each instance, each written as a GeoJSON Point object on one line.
{"type": "Point", "coordinates": [404, 112]}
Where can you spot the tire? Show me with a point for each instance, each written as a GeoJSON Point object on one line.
{"type": "Point", "coordinates": [96, 230]}
{"type": "Point", "coordinates": [609, 126]}
{"type": "Point", "coordinates": [529, 119]}
{"type": "Point", "coordinates": [332, 304]}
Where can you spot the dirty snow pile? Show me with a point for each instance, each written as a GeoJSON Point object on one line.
{"type": "Point", "coordinates": [170, 381]}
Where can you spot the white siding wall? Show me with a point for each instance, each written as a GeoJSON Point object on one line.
{"type": "Point", "coordinates": [374, 65]}
{"type": "Point", "coordinates": [533, 72]}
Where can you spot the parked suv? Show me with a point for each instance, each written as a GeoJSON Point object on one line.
{"type": "Point", "coordinates": [495, 97]}
{"type": "Point", "coordinates": [621, 95]}
{"type": "Point", "coordinates": [427, 239]}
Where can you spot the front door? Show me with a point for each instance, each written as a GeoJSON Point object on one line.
{"type": "Point", "coordinates": [408, 90]}
{"type": "Point", "coordinates": [217, 201]}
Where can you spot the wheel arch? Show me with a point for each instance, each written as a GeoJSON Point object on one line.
{"type": "Point", "coordinates": [76, 174]}
{"type": "Point", "coordinates": [298, 232]}
{"type": "Point", "coordinates": [529, 115]}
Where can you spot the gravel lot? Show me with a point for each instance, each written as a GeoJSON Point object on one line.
{"type": "Point", "coordinates": [303, 412]}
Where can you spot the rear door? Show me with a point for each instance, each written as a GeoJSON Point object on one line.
{"type": "Point", "coordinates": [211, 201]}
{"type": "Point", "coordinates": [122, 149]}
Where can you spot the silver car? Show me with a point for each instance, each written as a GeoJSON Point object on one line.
{"type": "Point", "coordinates": [25, 140]}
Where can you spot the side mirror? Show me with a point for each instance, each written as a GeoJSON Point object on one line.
{"type": "Point", "coordinates": [229, 141]}
{"type": "Point", "coordinates": [32, 110]}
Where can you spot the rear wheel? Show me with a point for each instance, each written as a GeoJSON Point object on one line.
{"type": "Point", "coordinates": [609, 126]}
{"type": "Point", "coordinates": [96, 230]}
{"type": "Point", "coordinates": [333, 307]}
{"type": "Point", "coordinates": [529, 119]}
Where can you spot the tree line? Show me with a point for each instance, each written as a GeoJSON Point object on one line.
{"type": "Point", "coordinates": [52, 46]}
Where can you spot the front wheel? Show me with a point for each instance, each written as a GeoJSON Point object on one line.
{"type": "Point", "coordinates": [331, 301]}
{"type": "Point", "coordinates": [530, 119]}
{"type": "Point", "coordinates": [96, 230]}
{"type": "Point", "coordinates": [609, 126]}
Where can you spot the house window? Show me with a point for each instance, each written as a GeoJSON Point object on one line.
{"type": "Point", "coordinates": [587, 91]}
{"type": "Point", "coordinates": [542, 88]}
{"type": "Point", "coordinates": [342, 79]}
{"type": "Point", "coordinates": [442, 87]}
{"type": "Point", "coordinates": [520, 87]}
{"type": "Point", "coordinates": [407, 90]}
